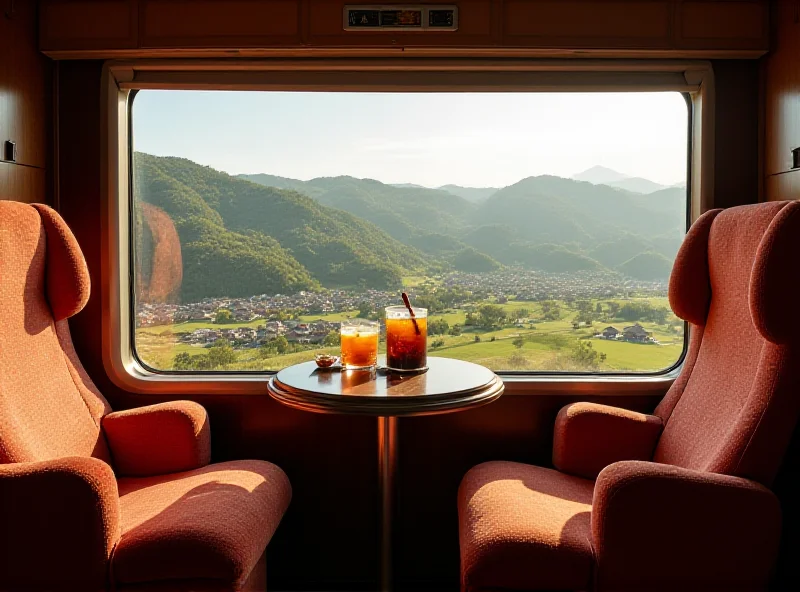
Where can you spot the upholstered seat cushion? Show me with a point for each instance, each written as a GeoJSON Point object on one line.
{"type": "Point", "coordinates": [524, 527]}
{"type": "Point", "coordinates": [209, 523]}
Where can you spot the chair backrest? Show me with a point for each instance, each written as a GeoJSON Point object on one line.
{"type": "Point", "coordinates": [49, 407]}
{"type": "Point", "coordinates": [737, 400]}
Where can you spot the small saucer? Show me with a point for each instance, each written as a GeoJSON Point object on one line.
{"type": "Point", "coordinates": [327, 362]}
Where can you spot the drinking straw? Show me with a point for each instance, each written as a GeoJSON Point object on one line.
{"type": "Point", "coordinates": [410, 311]}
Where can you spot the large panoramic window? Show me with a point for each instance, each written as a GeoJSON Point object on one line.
{"type": "Point", "coordinates": [538, 229]}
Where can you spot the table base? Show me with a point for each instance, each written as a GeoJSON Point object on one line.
{"type": "Point", "coordinates": [387, 468]}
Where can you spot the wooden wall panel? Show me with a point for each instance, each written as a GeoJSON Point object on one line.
{"type": "Point", "coordinates": [198, 23]}
{"type": "Point", "coordinates": [736, 176]}
{"type": "Point", "coordinates": [587, 23]}
{"type": "Point", "coordinates": [88, 24]}
{"type": "Point", "coordinates": [733, 24]}
{"type": "Point", "coordinates": [25, 105]}
{"type": "Point", "coordinates": [783, 186]}
{"type": "Point", "coordinates": [782, 90]}
{"type": "Point", "coordinates": [217, 28]}
{"type": "Point", "coordinates": [22, 183]}
{"type": "Point", "coordinates": [24, 86]}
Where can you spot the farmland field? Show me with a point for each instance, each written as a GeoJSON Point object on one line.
{"type": "Point", "coordinates": [519, 344]}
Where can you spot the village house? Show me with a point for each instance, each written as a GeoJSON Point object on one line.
{"type": "Point", "coordinates": [610, 333]}
{"type": "Point", "coordinates": [635, 333]}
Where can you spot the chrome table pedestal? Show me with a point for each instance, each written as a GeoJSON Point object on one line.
{"type": "Point", "coordinates": [387, 469]}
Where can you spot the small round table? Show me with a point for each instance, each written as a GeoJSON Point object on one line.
{"type": "Point", "coordinates": [447, 386]}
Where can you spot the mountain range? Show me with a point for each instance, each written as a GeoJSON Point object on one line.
{"type": "Point", "coordinates": [599, 175]}
{"type": "Point", "coordinates": [262, 233]}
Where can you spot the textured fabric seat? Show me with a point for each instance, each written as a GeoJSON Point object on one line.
{"type": "Point", "coordinates": [525, 515]}
{"type": "Point", "coordinates": [92, 499]}
{"type": "Point", "coordinates": [676, 500]}
{"type": "Point", "coordinates": [212, 522]}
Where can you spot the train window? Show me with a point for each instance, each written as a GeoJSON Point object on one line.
{"type": "Point", "coordinates": [538, 229]}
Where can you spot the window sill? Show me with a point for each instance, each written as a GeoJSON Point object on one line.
{"type": "Point", "coordinates": [134, 377]}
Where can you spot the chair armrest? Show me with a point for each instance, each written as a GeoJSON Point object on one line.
{"type": "Point", "coordinates": [158, 439]}
{"type": "Point", "coordinates": [59, 521]}
{"type": "Point", "coordinates": [588, 437]}
{"type": "Point", "coordinates": [661, 527]}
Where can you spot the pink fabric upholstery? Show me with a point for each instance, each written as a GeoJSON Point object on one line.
{"type": "Point", "coordinates": [60, 522]}
{"type": "Point", "coordinates": [158, 439]}
{"type": "Point", "coordinates": [775, 275]}
{"type": "Point", "coordinates": [524, 528]}
{"type": "Point", "coordinates": [48, 408]}
{"type": "Point", "coordinates": [689, 288]}
{"type": "Point", "coordinates": [740, 403]}
{"type": "Point", "coordinates": [210, 523]}
{"type": "Point", "coordinates": [67, 284]}
{"type": "Point", "coordinates": [589, 437]}
{"type": "Point", "coordinates": [667, 404]}
{"type": "Point", "coordinates": [659, 527]}
{"type": "Point", "coordinates": [699, 517]}
{"type": "Point", "coordinates": [60, 509]}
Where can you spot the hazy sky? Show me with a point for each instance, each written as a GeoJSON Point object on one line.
{"type": "Point", "coordinates": [431, 139]}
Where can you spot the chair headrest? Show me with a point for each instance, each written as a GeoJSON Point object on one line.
{"type": "Point", "coordinates": [774, 281]}
{"type": "Point", "coordinates": [67, 277]}
{"type": "Point", "coordinates": [689, 284]}
{"type": "Point", "coordinates": [773, 276]}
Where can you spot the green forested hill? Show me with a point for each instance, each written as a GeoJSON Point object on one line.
{"type": "Point", "coordinates": [239, 238]}
{"type": "Point", "coordinates": [549, 257]}
{"type": "Point", "coordinates": [537, 210]}
{"type": "Point", "coordinates": [473, 194]}
{"type": "Point", "coordinates": [280, 183]}
{"type": "Point", "coordinates": [647, 266]}
{"type": "Point", "coordinates": [405, 212]}
{"type": "Point", "coordinates": [264, 233]}
{"type": "Point", "coordinates": [618, 250]}
{"type": "Point", "coordinates": [473, 261]}
{"type": "Point", "coordinates": [553, 209]}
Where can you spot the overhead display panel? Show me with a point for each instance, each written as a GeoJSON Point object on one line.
{"type": "Point", "coordinates": [400, 18]}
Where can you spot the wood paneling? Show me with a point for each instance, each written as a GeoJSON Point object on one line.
{"type": "Point", "coordinates": [587, 23]}
{"type": "Point", "coordinates": [24, 86]}
{"type": "Point", "coordinates": [22, 183]}
{"type": "Point", "coordinates": [203, 28]}
{"type": "Point", "coordinates": [88, 24]}
{"type": "Point", "coordinates": [736, 180]}
{"type": "Point", "coordinates": [25, 105]}
{"type": "Point", "coordinates": [730, 24]}
{"type": "Point", "coordinates": [197, 23]}
{"type": "Point", "coordinates": [782, 92]}
{"type": "Point", "coordinates": [783, 186]}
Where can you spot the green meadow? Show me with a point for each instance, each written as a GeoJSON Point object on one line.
{"type": "Point", "coordinates": [531, 344]}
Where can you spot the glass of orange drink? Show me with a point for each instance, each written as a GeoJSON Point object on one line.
{"type": "Point", "coordinates": [406, 339]}
{"type": "Point", "coordinates": [359, 344]}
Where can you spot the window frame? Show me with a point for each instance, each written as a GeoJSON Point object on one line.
{"type": "Point", "coordinates": [121, 79]}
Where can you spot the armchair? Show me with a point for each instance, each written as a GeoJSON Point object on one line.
{"type": "Point", "coordinates": [676, 500]}
{"type": "Point", "coordinates": [92, 499]}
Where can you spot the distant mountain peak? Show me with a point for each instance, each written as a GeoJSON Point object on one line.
{"type": "Point", "coordinates": [600, 175]}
